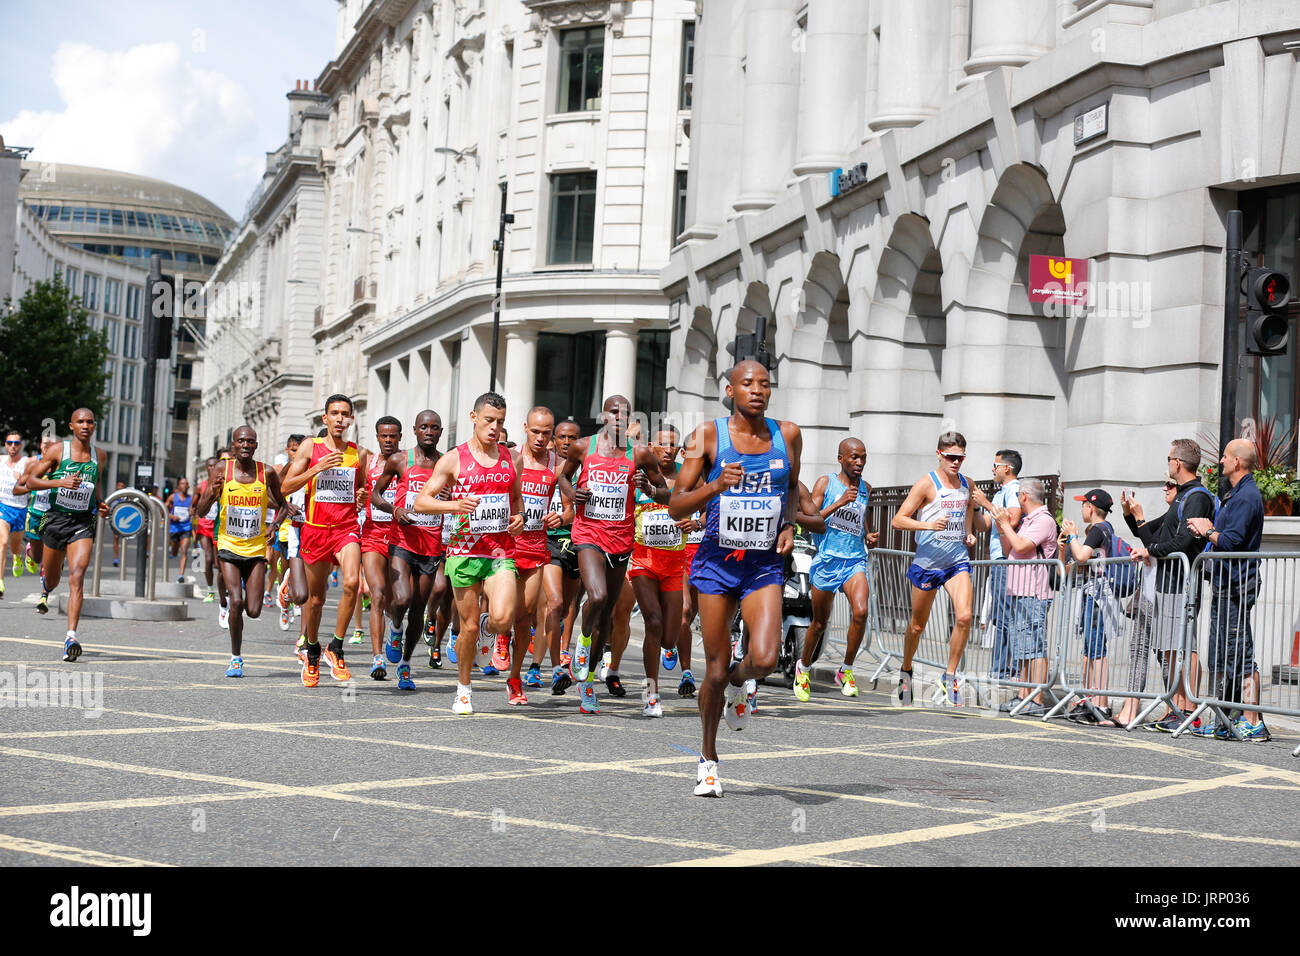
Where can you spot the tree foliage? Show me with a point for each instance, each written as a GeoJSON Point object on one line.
{"type": "Point", "coordinates": [51, 360]}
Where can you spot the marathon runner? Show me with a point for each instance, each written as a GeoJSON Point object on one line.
{"type": "Point", "coordinates": [537, 465]}
{"type": "Point", "coordinates": [328, 468]}
{"type": "Point", "coordinates": [603, 531]}
{"type": "Point", "coordinates": [13, 504]}
{"type": "Point", "coordinates": [416, 548]}
{"type": "Point", "coordinates": [751, 492]}
{"type": "Point", "coordinates": [244, 487]}
{"type": "Point", "coordinates": [291, 596]}
{"type": "Point", "coordinates": [840, 564]}
{"type": "Point", "coordinates": [179, 507]}
{"type": "Point", "coordinates": [487, 511]}
{"type": "Point", "coordinates": [38, 503]}
{"type": "Point", "coordinates": [560, 577]}
{"type": "Point", "coordinates": [205, 528]}
{"type": "Point", "coordinates": [690, 607]}
{"type": "Point", "coordinates": [377, 538]}
{"type": "Point", "coordinates": [944, 503]}
{"type": "Point", "coordinates": [75, 470]}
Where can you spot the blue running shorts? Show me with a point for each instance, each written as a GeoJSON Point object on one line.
{"type": "Point", "coordinates": [735, 573]}
{"type": "Point", "coordinates": [927, 579]}
{"type": "Point", "coordinates": [831, 574]}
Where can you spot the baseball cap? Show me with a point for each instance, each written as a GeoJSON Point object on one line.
{"type": "Point", "coordinates": [1097, 498]}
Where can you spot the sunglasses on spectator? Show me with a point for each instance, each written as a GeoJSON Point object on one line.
{"type": "Point", "coordinates": [8, 442]}
{"type": "Point", "coordinates": [1170, 484]}
{"type": "Point", "coordinates": [956, 459]}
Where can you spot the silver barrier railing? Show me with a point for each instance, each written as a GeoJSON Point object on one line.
{"type": "Point", "coordinates": [1123, 615]}
{"type": "Point", "coordinates": [147, 505]}
{"type": "Point", "coordinates": [159, 529]}
{"type": "Point", "coordinates": [1244, 627]}
{"type": "Point", "coordinates": [835, 639]}
{"type": "Point", "coordinates": [995, 657]}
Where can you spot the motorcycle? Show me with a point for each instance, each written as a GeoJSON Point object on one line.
{"type": "Point", "coordinates": [796, 615]}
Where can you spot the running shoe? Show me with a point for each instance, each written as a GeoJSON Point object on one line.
{"type": "Point", "coordinates": [43, 604]}
{"type": "Point", "coordinates": [951, 695]}
{"type": "Point", "coordinates": [580, 663]}
{"type": "Point", "coordinates": [736, 707]}
{"type": "Point", "coordinates": [357, 637]}
{"type": "Point", "coordinates": [430, 633]}
{"type": "Point", "coordinates": [652, 706]}
{"type": "Point", "coordinates": [802, 684]}
{"type": "Point", "coordinates": [534, 676]}
{"type": "Point", "coordinates": [844, 680]}
{"type": "Point", "coordinates": [19, 567]}
{"type": "Point", "coordinates": [1169, 723]}
{"type": "Point", "coordinates": [905, 688]}
{"type": "Point", "coordinates": [560, 681]}
{"type": "Point", "coordinates": [310, 670]}
{"type": "Point", "coordinates": [1204, 727]}
{"type": "Point", "coordinates": [236, 668]}
{"type": "Point", "coordinates": [377, 669]}
{"type": "Point", "coordinates": [404, 681]}
{"type": "Point", "coordinates": [300, 649]}
{"type": "Point", "coordinates": [501, 653]}
{"type": "Point", "coordinates": [2, 587]}
{"type": "Point", "coordinates": [687, 687]}
{"type": "Point", "coordinates": [435, 657]}
{"type": "Point", "coordinates": [451, 647]}
{"type": "Point", "coordinates": [334, 578]}
{"type": "Point", "coordinates": [588, 704]}
{"type": "Point", "coordinates": [365, 602]}
{"type": "Point", "coordinates": [115, 562]}
{"type": "Point", "coordinates": [461, 705]}
{"type": "Point", "coordinates": [71, 649]}
{"type": "Point", "coordinates": [223, 616]}
{"type": "Point", "coordinates": [334, 658]}
{"type": "Point", "coordinates": [286, 619]}
{"type": "Point", "coordinates": [393, 646]}
{"type": "Point", "coordinates": [615, 685]}
{"type": "Point", "coordinates": [32, 566]}
{"type": "Point", "coordinates": [515, 691]}
{"type": "Point", "coordinates": [207, 598]}
{"type": "Point", "coordinates": [267, 600]}
{"type": "Point", "coordinates": [707, 783]}
{"type": "Point", "coordinates": [282, 595]}
{"type": "Point", "coordinates": [565, 658]}
{"type": "Point", "coordinates": [606, 660]}
{"type": "Point", "coordinates": [670, 658]}
{"type": "Point", "coordinates": [1252, 733]}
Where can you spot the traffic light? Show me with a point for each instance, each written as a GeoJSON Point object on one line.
{"type": "Point", "coordinates": [1267, 327]}
{"type": "Point", "coordinates": [161, 302]}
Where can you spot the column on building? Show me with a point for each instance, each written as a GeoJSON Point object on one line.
{"type": "Point", "coordinates": [1008, 33]}
{"type": "Point", "coordinates": [912, 83]}
{"type": "Point", "coordinates": [518, 379]}
{"type": "Point", "coordinates": [716, 112]}
{"type": "Point", "coordinates": [620, 362]}
{"type": "Point", "coordinates": [771, 98]}
{"type": "Point", "coordinates": [834, 84]}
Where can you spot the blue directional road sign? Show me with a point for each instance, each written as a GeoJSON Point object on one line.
{"type": "Point", "coordinates": [127, 519]}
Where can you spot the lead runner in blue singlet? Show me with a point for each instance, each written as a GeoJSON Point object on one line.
{"type": "Point", "coordinates": [943, 502]}
{"type": "Point", "coordinates": [751, 493]}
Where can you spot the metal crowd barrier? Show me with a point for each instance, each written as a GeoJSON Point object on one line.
{"type": "Point", "coordinates": [1244, 627]}
{"type": "Point", "coordinates": [1114, 633]}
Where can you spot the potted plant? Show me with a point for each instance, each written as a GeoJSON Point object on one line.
{"type": "Point", "coordinates": [1275, 487]}
{"type": "Point", "coordinates": [1275, 469]}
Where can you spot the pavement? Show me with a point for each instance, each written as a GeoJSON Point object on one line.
{"type": "Point", "coordinates": [183, 766]}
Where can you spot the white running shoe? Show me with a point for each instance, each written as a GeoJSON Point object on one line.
{"type": "Point", "coordinates": [737, 707]}
{"type": "Point", "coordinates": [461, 706]}
{"type": "Point", "coordinates": [223, 617]}
{"type": "Point", "coordinates": [605, 661]}
{"type": "Point", "coordinates": [652, 706]}
{"type": "Point", "coordinates": [286, 619]}
{"type": "Point", "coordinates": [707, 783]}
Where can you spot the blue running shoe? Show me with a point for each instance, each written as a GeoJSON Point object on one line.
{"type": "Point", "coordinates": [580, 666]}
{"type": "Point", "coordinates": [670, 659]}
{"type": "Point", "coordinates": [588, 704]}
{"type": "Point", "coordinates": [377, 669]}
{"type": "Point", "coordinates": [236, 668]}
{"type": "Point", "coordinates": [534, 676]}
{"type": "Point", "coordinates": [560, 681]}
{"type": "Point", "coordinates": [71, 649]}
{"type": "Point", "coordinates": [393, 646]}
{"type": "Point", "coordinates": [490, 671]}
{"type": "Point", "coordinates": [404, 681]}
{"type": "Point", "coordinates": [451, 647]}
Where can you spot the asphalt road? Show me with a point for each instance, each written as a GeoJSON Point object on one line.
{"type": "Point", "coordinates": [186, 767]}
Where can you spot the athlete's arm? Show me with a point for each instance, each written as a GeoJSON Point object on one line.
{"type": "Point", "coordinates": [922, 494]}
{"type": "Point", "coordinates": [444, 474]}
{"type": "Point", "coordinates": [869, 536]}
{"type": "Point", "coordinates": [36, 481]}
{"type": "Point", "coordinates": [274, 493]}
{"type": "Point", "coordinates": [794, 442]}
{"type": "Point", "coordinates": [299, 474]}
{"type": "Point", "coordinates": [101, 457]}
{"type": "Point", "coordinates": [809, 517]}
{"type": "Point", "coordinates": [393, 468]}
{"type": "Point", "coordinates": [211, 492]}
{"type": "Point", "coordinates": [360, 480]}
{"type": "Point", "coordinates": [572, 461]}
{"type": "Point", "coordinates": [970, 516]}
{"type": "Point", "coordinates": [516, 523]}
{"type": "Point", "coordinates": [649, 465]}
{"type": "Point", "coordinates": [819, 494]}
{"type": "Point", "coordinates": [703, 442]}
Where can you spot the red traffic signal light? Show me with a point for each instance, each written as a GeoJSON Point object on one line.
{"type": "Point", "coordinates": [1268, 293]}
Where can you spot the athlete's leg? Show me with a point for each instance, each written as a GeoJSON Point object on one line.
{"type": "Point", "coordinates": [403, 591]}
{"type": "Point", "coordinates": [299, 586]}
{"type": "Point", "coordinates": [467, 640]}
{"type": "Point", "coordinates": [761, 612]}
{"type": "Point", "coordinates": [421, 589]}
{"type": "Point", "coordinates": [921, 604]}
{"type": "Point", "coordinates": [235, 588]}
{"type": "Point", "coordinates": [716, 613]}
{"type": "Point", "coordinates": [690, 608]}
{"type": "Point", "coordinates": [349, 560]}
{"type": "Point", "coordinates": [961, 591]}
{"type": "Point", "coordinates": [52, 568]}
{"type": "Point", "coordinates": [857, 591]}
{"type": "Point", "coordinates": [205, 543]}
{"type": "Point", "coordinates": [822, 602]}
{"type": "Point", "coordinates": [375, 568]}
{"type": "Point", "coordinates": [620, 626]}
{"type": "Point", "coordinates": [592, 565]}
{"type": "Point", "coordinates": [529, 589]}
{"type": "Point", "coordinates": [653, 615]}
{"type": "Point", "coordinates": [78, 560]}
{"type": "Point", "coordinates": [317, 576]}
{"type": "Point", "coordinates": [184, 554]}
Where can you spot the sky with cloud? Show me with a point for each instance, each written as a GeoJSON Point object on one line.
{"type": "Point", "coordinates": [192, 93]}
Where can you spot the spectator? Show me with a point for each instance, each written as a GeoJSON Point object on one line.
{"type": "Point", "coordinates": [1235, 583]}
{"type": "Point", "coordinates": [1029, 588]}
{"type": "Point", "coordinates": [1169, 534]}
{"type": "Point", "coordinates": [1006, 473]}
{"type": "Point", "coordinates": [1097, 595]}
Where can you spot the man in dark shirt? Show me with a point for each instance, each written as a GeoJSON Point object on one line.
{"type": "Point", "coordinates": [1239, 527]}
{"type": "Point", "coordinates": [1161, 537]}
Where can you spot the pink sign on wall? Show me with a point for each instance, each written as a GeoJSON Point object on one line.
{"type": "Point", "coordinates": [1058, 280]}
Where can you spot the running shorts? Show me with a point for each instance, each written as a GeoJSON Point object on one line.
{"type": "Point", "coordinates": [715, 571]}
{"type": "Point", "coordinates": [563, 556]}
{"type": "Point", "coordinates": [59, 530]}
{"type": "Point", "coordinates": [613, 560]}
{"type": "Point", "coordinates": [426, 564]}
{"type": "Point", "coordinates": [32, 529]}
{"type": "Point", "coordinates": [928, 579]}
{"type": "Point", "coordinates": [205, 528]}
{"type": "Point", "coordinates": [321, 544]}
{"type": "Point", "coordinates": [465, 571]}
{"type": "Point", "coordinates": [14, 516]}
{"type": "Point", "coordinates": [244, 563]}
{"type": "Point", "coordinates": [831, 574]}
{"type": "Point", "coordinates": [664, 566]}
{"type": "Point", "coordinates": [376, 539]}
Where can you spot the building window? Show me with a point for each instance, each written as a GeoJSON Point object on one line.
{"type": "Point", "coordinates": [109, 368]}
{"type": "Point", "coordinates": [651, 372]}
{"type": "Point", "coordinates": [573, 218]}
{"type": "Point", "coordinates": [112, 296]}
{"type": "Point", "coordinates": [110, 329]}
{"type": "Point", "coordinates": [570, 376]}
{"type": "Point", "coordinates": [582, 62]}
{"type": "Point", "coordinates": [453, 357]}
{"type": "Point", "coordinates": [181, 412]}
{"type": "Point", "coordinates": [133, 294]}
{"type": "Point", "coordinates": [124, 417]}
{"type": "Point", "coordinates": [90, 292]}
{"type": "Point", "coordinates": [104, 429]}
{"type": "Point", "coordinates": [131, 341]}
{"type": "Point", "coordinates": [71, 278]}
{"type": "Point", "coordinates": [679, 206]}
{"type": "Point", "coordinates": [688, 64]}
{"type": "Point", "coordinates": [128, 383]}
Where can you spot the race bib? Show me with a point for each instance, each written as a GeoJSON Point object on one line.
{"type": "Point", "coordinates": [180, 514]}
{"type": "Point", "coordinates": [336, 486]}
{"type": "Point", "coordinates": [557, 501]}
{"type": "Point", "coordinates": [492, 515]}
{"type": "Point", "coordinates": [243, 522]}
{"type": "Point", "coordinates": [419, 520]}
{"type": "Point", "coordinates": [535, 507]}
{"type": "Point", "coordinates": [608, 502]}
{"type": "Point", "coordinates": [212, 512]}
{"type": "Point", "coordinates": [659, 530]}
{"type": "Point", "coordinates": [748, 523]}
{"type": "Point", "coordinates": [850, 518]}
{"type": "Point", "coordinates": [7, 481]}
{"type": "Point", "coordinates": [76, 499]}
{"type": "Point", "coordinates": [270, 516]}
{"type": "Point", "coordinates": [41, 501]}
{"type": "Point", "coordinates": [956, 530]}
{"type": "Point", "coordinates": [696, 536]}
{"type": "Point", "coordinates": [379, 517]}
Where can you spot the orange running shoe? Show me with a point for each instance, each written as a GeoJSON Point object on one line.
{"type": "Point", "coordinates": [301, 648]}
{"type": "Point", "coordinates": [310, 672]}
{"type": "Point", "coordinates": [501, 653]}
{"type": "Point", "coordinates": [338, 670]}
